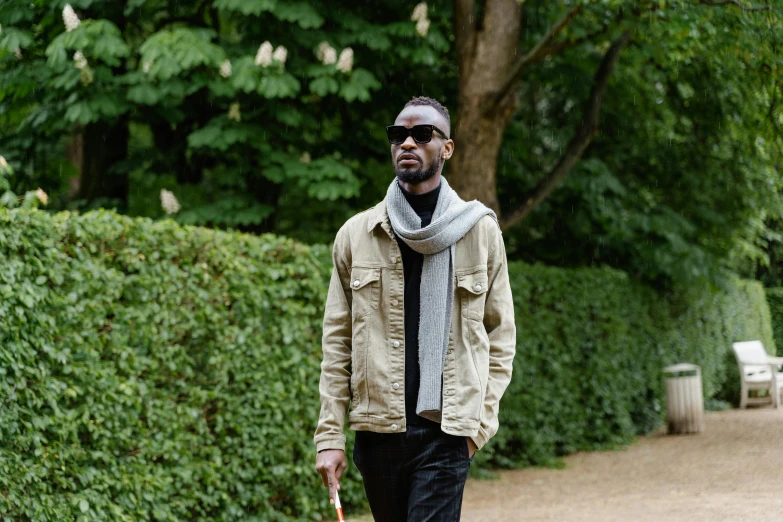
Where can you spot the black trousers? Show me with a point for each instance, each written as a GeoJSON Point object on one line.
{"type": "Point", "coordinates": [416, 476]}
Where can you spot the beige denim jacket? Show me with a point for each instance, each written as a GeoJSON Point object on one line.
{"type": "Point", "coordinates": [364, 334]}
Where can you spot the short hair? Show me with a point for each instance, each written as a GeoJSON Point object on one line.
{"type": "Point", "coordinates": [419, 101]}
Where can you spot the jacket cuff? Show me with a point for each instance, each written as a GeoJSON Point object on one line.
{"type": "Point", "coordinates": [330, 444]}
{"type": "Point", "coordinates": [481, 438]}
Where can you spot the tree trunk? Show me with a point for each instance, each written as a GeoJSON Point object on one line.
{"type": "Point", "coordinates": [104, 146]}
{"type": "Point", "coordinates": [74, 150]}
{"type": "Point", "coordinates": [489, 70]}
{"type": "Point", "coordinates": [486, 54]}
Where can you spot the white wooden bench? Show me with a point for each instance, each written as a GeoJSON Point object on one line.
{"type": "Point", "coordinates": [758, 371]}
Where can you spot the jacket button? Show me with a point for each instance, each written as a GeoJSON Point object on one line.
{"type": "Point", "coordinates": [394, 302]}
{"type": "Point", "coordinates": [396, 386]}
{"type": "Point", "coordinates": [393, 259]}
{"type": "Point", "coordinates": [356, 283]}
{"type": "Point", "coordinates": [394, 427]}
{"type": "Point", "coordinates": [396, 344]}
{"type": "Point", "coordinates": [478, 288]}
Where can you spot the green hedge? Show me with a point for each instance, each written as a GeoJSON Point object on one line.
{"type": "Point", "coordinates": [591, 345]}
{"type": "Point", "coordinates": [156, 372]}
{"type": "Point", "coordinates": [775, 300]}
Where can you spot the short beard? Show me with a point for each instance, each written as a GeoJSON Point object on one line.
{"type": "Point", "coordinates": [415, 177]}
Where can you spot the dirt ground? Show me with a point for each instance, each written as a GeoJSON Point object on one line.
{"type": "Point", "coordinates": [733, 471]}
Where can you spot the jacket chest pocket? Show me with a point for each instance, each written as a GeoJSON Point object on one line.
{"type": "Point", "coordinates": [365, 290]}
{"type": "Point", "coordinates": [473, 294]}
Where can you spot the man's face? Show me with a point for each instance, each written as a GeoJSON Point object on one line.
{"type": "Point", "coordinates": [417, 162]}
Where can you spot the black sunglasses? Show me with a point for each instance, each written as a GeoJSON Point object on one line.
{"type": "Point", "coordinates": [421, 133]}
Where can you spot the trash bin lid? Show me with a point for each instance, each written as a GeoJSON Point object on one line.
{"type": "Point", "coordinates": [682, 367]}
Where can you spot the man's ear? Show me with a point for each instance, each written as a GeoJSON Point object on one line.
{"type": "Point", "coordinates": [448, 150]}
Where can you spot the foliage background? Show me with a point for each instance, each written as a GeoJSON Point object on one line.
{"type": "Point", "coordinates": [144, 380]}
{"type": "Point", "coordinates": [680, 186]}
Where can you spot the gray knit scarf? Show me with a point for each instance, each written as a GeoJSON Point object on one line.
{"type": "Point", "coordinates": [452, 219]}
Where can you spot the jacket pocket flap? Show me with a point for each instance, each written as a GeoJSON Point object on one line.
{"type": "Point", "coordinates": [475, 283]}
{"type": "Point", "coordinates": [361, 277]}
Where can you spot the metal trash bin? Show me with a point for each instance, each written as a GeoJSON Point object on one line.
{"type": "Point", "coordinates": [684, 399]}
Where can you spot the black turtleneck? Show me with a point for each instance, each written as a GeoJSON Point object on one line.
{"type": "Point", "coordinates": [412, 262]}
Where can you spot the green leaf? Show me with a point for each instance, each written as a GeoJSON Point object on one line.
{"type": "Point", "coordinates": [13, 38]}
{"type": "Point", "coordinates": [301, 13]}
{"type": "Point", "coordinates": [281, 85]}
{"type": "Point", "coordinates": [358, 86]}
{"type": "Point", "coordinates": [246, 75]}
{"type": "Point", "coordinates": [171, 52]}
{"type": "Point", "coordinates": [145, 94]}
{"type": "Point", "coordinates": [324, 86]}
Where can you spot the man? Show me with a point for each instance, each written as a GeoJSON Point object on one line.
{"type": "Point", "coordinates": [418, 333]}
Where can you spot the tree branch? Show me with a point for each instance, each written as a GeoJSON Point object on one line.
{"type": "Point", "coordinates": [557, 47]}
{"type": "Point", "coordinates": [529, 58]}
{"type": "Point", "coordinates": [718, 3]}
{"type": "Point", "coordinates": [584, 135]}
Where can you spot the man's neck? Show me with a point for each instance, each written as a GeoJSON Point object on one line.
{"type": "Point", "coordinates": [423, 187]}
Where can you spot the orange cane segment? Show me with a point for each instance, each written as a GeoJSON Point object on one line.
{"type": "Point", "coordinates": [338, 507]}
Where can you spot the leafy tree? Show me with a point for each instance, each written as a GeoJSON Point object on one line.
{"type": "Point", "coordinates": [657, 122]}
{"type": "Point", "coordinates": [242, 104]}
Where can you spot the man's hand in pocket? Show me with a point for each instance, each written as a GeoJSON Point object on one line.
{"type": "Point", "coordinates": [471, 447]}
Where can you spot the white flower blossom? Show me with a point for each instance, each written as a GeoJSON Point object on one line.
{"type": "Point", "coordinates": [345, 62]}
{"type": "Point", "coordinates": [330, 56]}
{"type": "Point", "coordinates": [264, 55]}
{"type": "Point", "coordinates": [70, 18]}
{"type": "Point", "coordinates": [305, 158]}
{"type": "Point", "coordinates": [326, 53]}
{"type": "Point", "coordinates": [234, 113]}
{"type": "Point", "coordinates": [419, 12]}
{"type": "Point", "coordinates": [147, 65]}
{"type": "Point", "coordinates": [42, 196]}
{"type": "Point", "coordinates": [225, 69]}
{"type": "Point", "coordinates": [169, 202]}
{"type": "Point", "coordinates": [280, 54]}
{"type": "Point", "coordinates": [18, 53]}
{"type": "Point", "coordinates": [79, 60]}
{"type": "Point", "coordinates": [3, 163]}
{"type": "Point", "coordinates": [322, 47]}
{"type": "Point", "coordinates": [422, 26]}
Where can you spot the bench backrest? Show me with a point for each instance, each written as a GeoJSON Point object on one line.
{"type": "Point", "coordinates": [749, 354]}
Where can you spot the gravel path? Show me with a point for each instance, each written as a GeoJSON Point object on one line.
{"type": "Point", "coordinates": [732, 471]}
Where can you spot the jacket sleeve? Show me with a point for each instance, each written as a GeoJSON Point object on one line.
{"type": "Point", "coordinates": [334, 386]}
{"type": "Point", "coordinates": [500, 327]}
